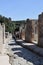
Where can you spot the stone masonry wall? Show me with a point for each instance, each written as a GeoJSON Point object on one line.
{"type": "Point", "coordinates": [2, 37]}
{"type": "Point", "coordinates": [28, 31]}
{"type": "Point", "coordinates": [40, 30]}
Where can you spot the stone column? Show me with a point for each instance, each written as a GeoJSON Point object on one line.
{"type": "Point", "coordinates": [40, 30]}
{"type": "Point", "coordinates": [28, 31]}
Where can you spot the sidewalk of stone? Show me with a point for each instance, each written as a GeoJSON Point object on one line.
{"type": "Point", "coordinates": [31, 46]}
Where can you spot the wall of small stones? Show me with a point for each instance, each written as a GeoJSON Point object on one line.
{"type": "Point", "coordinates": [28, 31]}
{"type": "Point", "coordinates": [40, 30]}
{"type": "Point", "coordinates": [2, 37]}
{"type": "Point", "coordinates": [35, 30]}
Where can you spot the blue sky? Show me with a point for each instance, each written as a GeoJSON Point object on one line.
{"type": "Point", "coordinates": [21, 9]}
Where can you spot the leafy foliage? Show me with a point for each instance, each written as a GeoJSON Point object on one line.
{"type": "Point", "coordinates": [9, 24]}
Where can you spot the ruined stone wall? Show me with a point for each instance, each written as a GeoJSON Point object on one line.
{"type": "Point", "coordinates": [2, 37]}
{"type": "Point", "coordinates": [23, 34]}
{"type": "Point", "coordinates": [28, 31]}
{"type": "Point", "coordinates": [35, 30]}
{"type": "Point", "coordinates": [40, 30]}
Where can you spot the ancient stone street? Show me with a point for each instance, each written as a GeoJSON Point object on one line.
{"type": "Point", "coordinates": [21, 56]}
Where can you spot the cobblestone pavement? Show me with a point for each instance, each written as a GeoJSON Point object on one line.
{"type": "Point", "coordinates": [22, 56]}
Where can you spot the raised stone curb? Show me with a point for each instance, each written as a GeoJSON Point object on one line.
{"type": "Point", "coordinates": [33, 47]}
